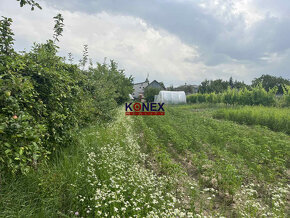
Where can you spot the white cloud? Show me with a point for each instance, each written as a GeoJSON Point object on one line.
{"type": "Point", "coordinates": [138, 46]}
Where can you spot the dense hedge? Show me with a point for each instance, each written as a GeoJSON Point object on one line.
{"type": "Point", "coordinates": [43, 100]}
{"type": "Point", "coordinates": [255, 96]}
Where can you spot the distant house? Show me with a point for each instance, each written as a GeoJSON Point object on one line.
{"type": "Point", "coordinates": [157, 85]}
{"type": "Point", "coordinates": [139, 88]}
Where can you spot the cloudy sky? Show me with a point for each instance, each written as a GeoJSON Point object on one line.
{"type": "Point", "coordinates": [174, 41]}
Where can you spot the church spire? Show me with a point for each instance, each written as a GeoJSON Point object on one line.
{"type": "Point", "coordinates": [147, 80]}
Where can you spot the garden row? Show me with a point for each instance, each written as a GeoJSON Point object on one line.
{"type": "Point", "coordinates": [240, 171]}
{"type": "Point", "coordinates": [255, 96]}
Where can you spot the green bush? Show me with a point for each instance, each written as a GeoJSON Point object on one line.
{"type": "Point", "coordinates": [21, 131]}
{"type": "Point", "coordinates": [201, 98]}
{"type": "Point", "coordinates": [191, 98]}
{"type": "Point", "coordinates": [44, 100]}
{"type": "Point", "coordinates": [286, 96]}
{"type": "Point", "coordinates": [256, 96]}
{"type": "Point", "coordinates": [150, 93]}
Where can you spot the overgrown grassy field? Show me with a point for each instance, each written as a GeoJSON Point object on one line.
{"type": "Point", "coordinates": [183, 164]}
{"type": "Point", "coordinates": [237, 170]}
{"type": "Point", "coordinates": [276, 119]}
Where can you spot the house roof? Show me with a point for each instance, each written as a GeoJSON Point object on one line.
{"type": "Point", "coordinates": [141, 83]}
{"type": "Point", "coordinates": [156, 82]}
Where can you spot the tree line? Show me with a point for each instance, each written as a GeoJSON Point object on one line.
{"type": "Point", "coordinates": [267, 81]}
{"type": "Point", "coordinates": [257, 95]}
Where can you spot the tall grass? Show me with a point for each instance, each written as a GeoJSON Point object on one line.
{"type": "Point", "coordinates": [46, 192]}
{"type": "Point", "coordinates": [276, 119]}
{"type": "Point", "coordinates": [255, 96]}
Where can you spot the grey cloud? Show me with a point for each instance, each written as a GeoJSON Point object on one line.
{"type": "Point", "coordinates": [180, 18]}
{"type": "Point", "coordinates": [281, 7]}
{"type": "Point", "coordinates": [186, 20]}
{"type": "Point", "coordinates": [195, 26]}
{"type": "Point", "coordinates": [219, 39]}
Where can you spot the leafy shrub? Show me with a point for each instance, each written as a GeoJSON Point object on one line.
{"type": "Point", "coordinates": [44, 100]}
{"type": "Point", "coordinates": [21, 133]}
{"type": "Point", "coordinates": [150, 93]}
{"type": "Point", "coordinates": [191, 98]}
{"type": "Point", "coordinates": [256, 96]}
{"type": "Point", "coordinates": [286, 96]}
{"type": "Point", "coordinates": [201, 98]}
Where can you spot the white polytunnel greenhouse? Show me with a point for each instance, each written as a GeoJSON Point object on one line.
{"type": "Point", "coordinates": [170, 97]}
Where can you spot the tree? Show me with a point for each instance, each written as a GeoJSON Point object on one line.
{"type": "Point", "coordinates": [123, 86]}
{"type": "Point", "coordinates": [162, 84]}
{"type": "Point", "coordinates": [218, 86]}
{"type": "Point", "coordinates": [268, 82]}
{"type": "Point", "coordinates": [231, 83]}
{"type": "Point", "coordinates": [150, 93]}
{"type": "Point", "coordinates": [240, 85]}
{"type": "Point", "coordinates": [203, 88]}
{"type": "Point", "coordinates": [44, 100]}
{"type": "Point", "coordinates": [32, 3]}
{"type": "Point", "coordinates": [6, 36]}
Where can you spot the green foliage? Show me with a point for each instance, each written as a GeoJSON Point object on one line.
{"type": "Point", "coordinates": [286, 96]}
{"type": "Point", "coordinates": [44, 100]}
{"type": "Point", "coordinates": [84, 60]}
{"type": "Point", "coordinates": [269, 82]}
{"type": "Point", "coordinates": [21, 132]}
{"type": "Point", "coordinates": [150, 93]}
{"type": "Point", "coordinates": [123, 86]}
{"type": "Point", "coordinates": [277, 119]}
{"type": "Point", "coordinates": [112, 180]}
{"type": "Point", "coordinates": [219, 85]}
{"type": "Point", "coordinates": [226, 158]}
{"type": "Point", "coordinates": [188, 89]}
{"type": "Point", "coordinates": [58, 27]}
{"type": "Point", "coordinates": [47, 191]}
{"type": "Point", "coordinates": [32, 3]}
{"type": "Point", "coordinates": [6, 36]}
{"type": "Point", "coordinates": [70, 58]}
{"type": "Point", "coordinates": [183, 164]}
{"type": "Point", "coordinates": [256, 96]}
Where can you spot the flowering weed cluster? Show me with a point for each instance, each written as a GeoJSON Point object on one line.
{"type": "Point", "coordinates": [248, 202]}
{"type": "Point", "coordinates": [113, 181]}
